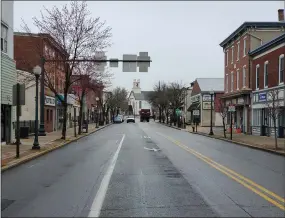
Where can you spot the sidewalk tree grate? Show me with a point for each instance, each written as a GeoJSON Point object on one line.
{"type": "Point", "coordinates": [5, 203]}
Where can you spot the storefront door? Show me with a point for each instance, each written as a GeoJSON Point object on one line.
{"type": "Point", "coordinates": [49, 113]}
{"type": "Point", "coordinates": [5, 123]}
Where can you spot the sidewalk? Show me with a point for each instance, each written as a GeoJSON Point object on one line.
{"type": "Point", "coordinates": [261, 142]}
{"type": "Point", "coordinates": [49, 142]}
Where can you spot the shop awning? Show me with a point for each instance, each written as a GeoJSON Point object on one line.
{"type": "Point", "coordinates": [236, 94]}
{"type": "Point", "coordinates": [195, 106]}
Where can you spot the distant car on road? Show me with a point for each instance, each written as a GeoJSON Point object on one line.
{"type": "Point", "coordinates": [130, 119]}
{"type": "Point", "coordinates": [118, 119]}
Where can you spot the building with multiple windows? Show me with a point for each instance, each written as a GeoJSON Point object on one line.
{"type": "Point", "coordinates": [8, 72]}
{"type": "Point", "coordinates": [268, 75]}
{"type": "Point", "coordinates": [28, 50]}
{"type": "Point", "coordinates": [237, 66]}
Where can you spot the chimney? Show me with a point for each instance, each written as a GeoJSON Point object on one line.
{"type": "Point", "coordinates": [281, 15]}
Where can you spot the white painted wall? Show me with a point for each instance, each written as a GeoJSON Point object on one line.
{"type": "Point", "coordinates": [29, 109]}
{"type": "Point", "coordinates": [7, 17]}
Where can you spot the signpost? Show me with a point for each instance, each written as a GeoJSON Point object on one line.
{"type": "Point", "coordinates": [196, 114]}
{"type": "Point", "coordinates": [232, 109]}
{"type": "Point", "coordinates": [18, 100]}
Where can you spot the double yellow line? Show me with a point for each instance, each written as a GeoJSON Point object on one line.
{"type": "Point", "coordinates": [259, 190]}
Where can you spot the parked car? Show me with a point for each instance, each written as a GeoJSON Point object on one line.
{"type": "Point", "coordinates": [122, 117]}
{"type": "Point", "coordinates": [118, 119]}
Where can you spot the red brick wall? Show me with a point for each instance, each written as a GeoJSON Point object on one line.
{"type": "Point", "coordinates": [27, 54]}
{"type": "Point", "coordinates": [196, 89]}
{"type": "Point", "coordinates": [243, 61]}
{"type": "Point", "coordinates": [273, 68]}
{"type": "Point", "coordinates": [217, 101]}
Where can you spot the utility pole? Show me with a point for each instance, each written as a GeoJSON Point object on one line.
{"type": "Point", "coordinates": [159, 108]}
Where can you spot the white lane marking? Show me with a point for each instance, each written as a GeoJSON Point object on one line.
{"type": "Point", "coordinates": [101, 193]}
{"type": "Point", "coordinates": [151, 149]}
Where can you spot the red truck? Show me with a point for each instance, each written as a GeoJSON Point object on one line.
{"type": "Point", "coordinates": [144, 115]}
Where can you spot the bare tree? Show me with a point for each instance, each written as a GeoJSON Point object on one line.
{"type": "Point", "coordinates": [158, 98]}
{"type": "Point", "coordinates": [176, 97]}
{"type": "Point", "coordinates": [118, 99]}
{"type": "Point", "coordinates": [80, 37]}
{"type": "Point", "coordinates": [274, 111]}
{"type": "Point", "coordinates": [223, 109]}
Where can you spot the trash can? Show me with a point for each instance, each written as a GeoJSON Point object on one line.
{"type": "Point", "coordinates": [263, 130]}
{"type": "Point", "coordinates": [24, 132]}
{"type": "Point", "coordinates": [280, 132]}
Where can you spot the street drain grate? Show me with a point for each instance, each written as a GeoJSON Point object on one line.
{"type": "Point", "coordinates": [5, 203]}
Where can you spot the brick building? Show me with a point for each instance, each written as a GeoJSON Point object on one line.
{"type": "Point", "coordinates": [201, 100]}
{"type": "Point", "coordinates": [28, 52]}
{"type": "Point", "coordinates": [268, 74]}
{"type": "Point", "coordinates": [237, 67]}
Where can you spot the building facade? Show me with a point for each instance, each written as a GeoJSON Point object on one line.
{"type": "Point", "coordinates": [268, 88]}
{"type": "Point", "coordinates": [201, 100]}
{"type": "Point", "coordinates": [28, 51]}
{"type": "Point", "coordinates": [8, 73]}
{"type": "Point", "coordinates": [237, 68]}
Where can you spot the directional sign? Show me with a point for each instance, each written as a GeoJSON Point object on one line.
{"type": "Point", "coordinates": [143, 66]}
{"type": "Point", "coordinates": [114, 62]}
{"type": "Point", "coordinates": [21, 96]}
{"type": "Point", "coordinates": [130, 66]}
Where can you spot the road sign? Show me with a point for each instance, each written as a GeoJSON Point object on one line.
{"type": "Point", "coordinates": [232, 108]}
{"type": "Point", "coordinates": [21, 96]}
{"type": "Point", "coordinates": [114, 62]}
{"type": "Point", "coordinates": [143, 66]}
{"type": "Point", "coordinates": [196, 113]}
{"type": "Point", "coordinates": [130, 66]}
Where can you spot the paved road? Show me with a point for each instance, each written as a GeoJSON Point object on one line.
{"type": "Point", "coordinates": [147, 169]}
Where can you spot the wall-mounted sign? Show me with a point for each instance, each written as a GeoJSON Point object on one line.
{"type": "Point", "coordinates": [207, 105]}
{"type": "Point", "coordinates": [262, 96]}
{"type": "Point", "coordinates": [195, 98]}
{"type": "Point", "coordinates": [49, 101]}
{"type": "Point", "coordinates": [196, 113]}
{"type": "Point", "coordinates": [232, 108]}
{"type": "Point", "coordinates": [207, 98]}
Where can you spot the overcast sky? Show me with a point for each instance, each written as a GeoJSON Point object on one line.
{"type": "Point", "coordinates": [182, 38]}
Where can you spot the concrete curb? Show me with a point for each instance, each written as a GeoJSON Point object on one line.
{"type": "Point", "coordinates": [36, 155]}
{"type": "Point", "coordinates": [174, 127]}
{"type": "Point", "coordinates": [241, 143]}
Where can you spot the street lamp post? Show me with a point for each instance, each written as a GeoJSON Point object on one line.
{"type": "Point", "coordinates": [37, 71]}
{"type": "Point", "coordinates": [97, 116]}
{"type": "Point", "coordinates": [170, 107]}
{"type": "Point", "coordinates": [42, 110]}
{"type": "Point", "coordinates": [211, 128]}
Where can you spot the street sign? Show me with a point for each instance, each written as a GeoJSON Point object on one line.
{"type": "Point", "coordinates": [114, 62]}
{"type": "Point", "coordinates": [143, 66]}
{"type": "Point", "coordinates": [130, 66]}
{"type": "Point", "coordinates": [21, 96]}
{"type": "Point", "coordinates": [232, 108]}
{"type": "Point", "coordinates": [196, 113]}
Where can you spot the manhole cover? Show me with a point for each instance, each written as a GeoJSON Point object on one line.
{"type": "Point", "coordinates": [5, 203]}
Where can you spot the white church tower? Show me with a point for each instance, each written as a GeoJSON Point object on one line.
{"type": "Point", "coordinates": [136, 86]}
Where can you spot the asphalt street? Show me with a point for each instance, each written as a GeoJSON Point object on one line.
{"type": "Point", "coordinates": [146, 170]}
